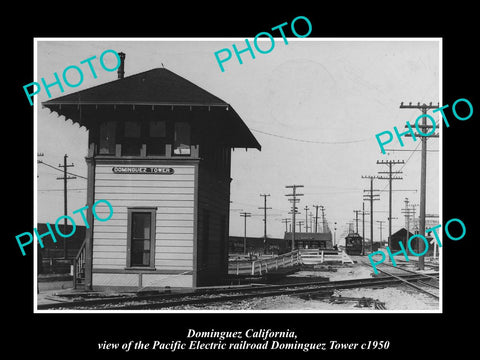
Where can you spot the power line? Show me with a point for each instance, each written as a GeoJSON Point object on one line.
{"type": "Point", "coordinates": [310, 141]}
{"type": "Point", "coordinates": [58, 169]}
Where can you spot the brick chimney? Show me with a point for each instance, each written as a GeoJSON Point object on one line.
{"type": "Point", "coordinates": [121, 68]}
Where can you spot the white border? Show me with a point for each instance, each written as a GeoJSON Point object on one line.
{"type": "Point", "coordinates": [386, 39]}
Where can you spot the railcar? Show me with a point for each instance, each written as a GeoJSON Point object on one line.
{"type": "Point", "coordinates": [353, 244]}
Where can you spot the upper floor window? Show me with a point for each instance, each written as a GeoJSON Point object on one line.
{"type": "Point", "coordinates": [182, 140]}
{"type": "Point", "coordinates": [144, 137]}
{"type": "Point", "coordinates": [131, 143]}
{"type": "Point", "coordinates": [157, 137]}
{"type": "Point", "coordinates": [107, 137]}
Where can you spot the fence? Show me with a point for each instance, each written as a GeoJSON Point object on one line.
{"type": "Point", "coordinates": [316, 256]}
{"type": "Point", "coordinates": [261, 266]}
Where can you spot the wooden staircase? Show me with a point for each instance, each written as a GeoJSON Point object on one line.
{"type": "Point", "coordinates": [79, 267]}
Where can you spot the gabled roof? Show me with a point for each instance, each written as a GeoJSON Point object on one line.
{"type": "Point", "coordinates": [402, 232]}
{"type": "Point", "coordinates": [158, 87]}
{"type": "Point", "coordinates": [153, 87]}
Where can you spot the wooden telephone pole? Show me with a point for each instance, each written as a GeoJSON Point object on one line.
{"type": "Point", "coordinates": [356, 219]}
{"type": "Point", "coordinates": [65, 178]}
{"type": "Point", "coordinates": [423, 177]}
{"type": "Point", "coordinates": [245, 215]}
{"type": "Point", "coordinates": [371, 197]}
{"type": "Point", "coordinates": [294, 200]}
{"type": "Point", "coordinates": [390, 177]}
{"type": "Point", "coordinates": [264, 208]}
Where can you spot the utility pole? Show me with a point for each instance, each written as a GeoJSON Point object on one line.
{"type": "Point", "coordinates": [286, 221]}
{"type": "Point", "coordinates": [323, 217]}
{"type": "Point", "coordinates": [334, 233]}
{"type": "Point", "coordinates": [65, 178]}
{"type": "Point", "coordinates": [294, 200]}
{"type": "Point", "coordinates": [356, 219]}
{"type": "Point", "coordinates": [300, 223]}
{"type": "Point", "coordinates": [371, 197]}
{"type": "Point", "coordinates": [306, 208]}
{"type": "Point", "coordinates": [413, 206]}
{"type": "Point", "coordinates": [423, 176]}
{"type": "Point", "coordinates": [407, 211]}
{"type": "Point", "coordinates": [316, 217]}
{"type": "Point", "coordinates": [39, 161]}
{"type": "Point", "coordinates": [363, 228]}
{"type": "Point", "coordinates": [311, 222]}
{"type": "Point", "coordinates": [381, 224]}
{"type": "Point", "coordinates": [390, 164]}
{"type": "Point", "coordinates": [265, 221]}
{"type": "Point", "coordinates": [245, 215]}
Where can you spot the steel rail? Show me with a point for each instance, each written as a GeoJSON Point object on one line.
{"type": "Point", "coordinates": [406, 282]}
{"type": "Point", "coordinates": [410, 271]}
{"type": "Point", "coordinates": [278, 292]}
{"type": "Point", "coordinates": [166, 300]}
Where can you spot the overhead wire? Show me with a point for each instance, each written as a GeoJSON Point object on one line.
{"type": "Point", "coordinates": [59, 169]}
{"type": "Point", "coordinates": [310, 141]}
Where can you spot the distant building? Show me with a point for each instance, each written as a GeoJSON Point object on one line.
{"type": "Point", "coordinates": [401, 237]}
{"type": "Point", "coordinates": [430, 221]}
{"type": "Point", "coordinates": [307, 240]}
{"type": "Point", "coordinates": [256, 245]}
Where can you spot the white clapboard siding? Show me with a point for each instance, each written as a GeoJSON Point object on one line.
{"type": "Point", "coordinates": [121, 213]}
{"type": "Point", "coordinates": [115, 279]}
{"type": "Point", "coordinates": [146, 178]}
{"type": "Point", "coordinates": [123, 204]}
{"type": "Point", "coordinates": [176, 242]}
{"type": "Point", "coordinates": [109, 242]}
{"type": "Point", "coordinates": [145, 196]}
{"type": "Point", "coordinates": [150, 280]}
{"type": "Point", "coordinates": [162, 263]}
{"type": "Point", "coordinates": [172, 195]}
{"type": "Point", "coordinates": [110, 261]}
{"type": "Point", "coordinates": [174, 230]}
{"type": "Point", "coordinates": [120, 217]}
{"type": "Point", "coordinates": [115, 221]}
{"type": "Point", "coordinates": [174, 237]}
{"type": "Point", "coordinates": [174, 249]}
{"type": "Point", "coordinates": [153, 188]}
{"type": "Point", "coordinates": [173, 256]}
{"type": "Point", "coordinates": [110, 235]}
{"type": "Point", "coordinates": [109, 248]}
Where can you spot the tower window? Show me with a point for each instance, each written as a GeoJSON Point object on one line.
{"type": "Point", "coordinates": [182, 140]}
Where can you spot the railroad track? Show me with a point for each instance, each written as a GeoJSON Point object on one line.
{"type": "Point", "coordinates": [162, 301]}
{"type": "Point", "coordinates": [391, 273]}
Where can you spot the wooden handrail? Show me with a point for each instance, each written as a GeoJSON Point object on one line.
{"type": "Point", "coordinates": [261, 266]}
{"type": "Point", "coordinates": [78, 263]}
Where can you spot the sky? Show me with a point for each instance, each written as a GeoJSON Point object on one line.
{"type": "Point", "coordinates": [314, 105]}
